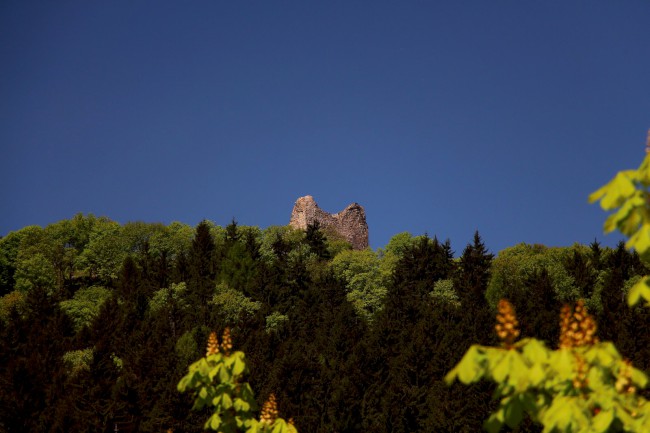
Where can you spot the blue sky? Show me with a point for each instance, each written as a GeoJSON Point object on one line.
{"type": "Point", "coordinates": [439, 117]}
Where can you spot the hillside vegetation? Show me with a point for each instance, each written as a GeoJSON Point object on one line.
{"type": "Point", "coordinates": [99, 322]}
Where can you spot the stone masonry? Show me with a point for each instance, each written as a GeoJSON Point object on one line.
{"type": "Point", "coordinates": [350, 223]}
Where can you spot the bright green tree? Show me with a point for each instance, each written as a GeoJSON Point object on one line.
{"type": "Point", "coordinates": [84, 306]}
{"type": "Point", "coordinates": [106, 250]}
{"type": "Point", "coordinates": [365, 280]}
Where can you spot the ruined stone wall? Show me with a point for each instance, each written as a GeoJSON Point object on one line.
{"type": "Point", "coordinates": [350, 223]}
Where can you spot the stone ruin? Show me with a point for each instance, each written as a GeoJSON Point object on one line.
{"type": "Point", "coordinates": [350, 223]}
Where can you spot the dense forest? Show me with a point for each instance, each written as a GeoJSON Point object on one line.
{"type": "Point", "coordinates": [99, 321]}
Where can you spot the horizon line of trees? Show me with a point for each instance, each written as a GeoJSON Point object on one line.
{"type": "Point", "coordinates": [99, 321]}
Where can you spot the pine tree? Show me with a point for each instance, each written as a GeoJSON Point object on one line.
{"type": "Point", "coordinates": [317, 241]}
{"type": "Point", "coordinates": [473, 272]}
{"type": "Point", "coordinates": [202, 271]}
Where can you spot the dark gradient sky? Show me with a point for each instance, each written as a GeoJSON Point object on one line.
{"type": "Point", "coordinates": [438, 117]}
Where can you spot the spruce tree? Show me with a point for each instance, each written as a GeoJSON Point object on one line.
{"type": "Point", "coordinates": [316, 241]}
{"type": "Point", "coordinates": [202, 271]}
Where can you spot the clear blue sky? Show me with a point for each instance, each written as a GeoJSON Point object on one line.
{"type": "Point", "coordinates": [440, 117]}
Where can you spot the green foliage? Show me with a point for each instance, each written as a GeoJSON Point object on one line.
{"type": "Point", "coordinates": [582, 389]}
{"type": "Point", "coordinates": [117, 361]}
{"type": "Point", "coordinates": [34, 270]}
{"type": "Point", "coordinates": [84, 306]}
{"type": "Point", "coordinates": [275, 322]}
{"type": "Point", "coordinates": [10, 301]}
{"type": "Point", "coordinates": [172, 296]}
{"type": "Point", "coordinates": [583, 386]}
{"type": "Point", "coordinates": [365, 279]}
{"type": "Point", "coordinates": [173, 241]}
{"type": "Point", "coordinates": [444, 293]}
{"type": "Point", "coordinates": [9, 246]}
{"type": "Point", "coordinates": [514, 267]}
{"type": "Point", "coordinates": [78, 360]}
{"type": "Point", "coordinates": [186, 348]}
{"type": "Point", "coordinates": [277, 241]}
{"type": "Point", "coordinates": [316, 239]}
{"type": "Point", "coordinates": [105, 252]}
{"type": "Point", "coordinates": [216, 383]}
{"type": "Point", "coordinates": [232, 304]}
{"type": "Point", "coordinates": [400, 244]}
{"type": "Point", "coordinates": [361, 342]}
{"type": "Point", "coordinates": [627, 196]}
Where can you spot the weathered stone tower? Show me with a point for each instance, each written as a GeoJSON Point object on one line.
{"type": "Point", "coordinates": [350, 223]}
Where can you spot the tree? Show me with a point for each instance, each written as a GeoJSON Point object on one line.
{"type": "Point", "coordinates": [84, 307]}
{"type": "Point", "coordinates": [366, 284]}
{"type": "Point", "coordinates": [403, 333]}
{"type": "Point", "coordinates": [9, 246]}
{"type": "Point", "coordinates": [106, 250]}
{"type": "Point", "coordinates": [317, 241]}
{"type": "Point", "coordinates": [473, 271]}
{"type": "Point", "coordinates": [515, 266]}
{"type": "Point", "coordinates": [585, 385]}
{"type": "Point", "coordinates": [232, 400]}
{"type": "Point", "coordinates": [202, 271]}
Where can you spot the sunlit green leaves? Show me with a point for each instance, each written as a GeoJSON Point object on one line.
{"type": "Point", "coordinates": [615, 193]}
{"type": "Point", "coordinates": [640, 290]}
{"type": "Point", "coordinates": [538, 382]}
{"type": "Point", "coordinates": [215, 381]}
{"type": "Point", "coordinates": [628, 195]}
{"type": "Point", "coordinates": [602, 420]}
{"type": "Point", "coordinates": [84, 306]}
{"type": "Point", "coordinates": [470, 369]}
{"type": "Point", "coordinates": [566, 414]}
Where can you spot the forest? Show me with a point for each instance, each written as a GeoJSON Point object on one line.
{"type": "Point", "coordinates": [99, 321]}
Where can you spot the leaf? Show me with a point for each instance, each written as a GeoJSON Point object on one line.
{"type": "Point", "coordinates": [514, 412]}
{"type": "Point", "coordinates": [639, 378]}
{"type": "Point", "coordinates": [214, 422]}
{"type": "Point", "coordinates": [494, 423]}
{"type": "Point", "coordinates": [203, 393]}
{"type": "Point", "coordinates": [241, 406]}
{"type": "Point", "coordinates": [562, 362]}
{"type": "Point", "coordinates": [239, 365]}
{"type": "Point", "coordinates": [627, 215]}
{"type": "Point", "coordinates": [602, 421]}
{"type": "Point", "coordinates": [203, 367]}
{"type": "Point", "coordinates": [602, 354]}
{"type": "Point", "coordinates": [519, 372]}
{"type": "Point", "coordinates": [535, 351]}
{"type": "Point", "coordinates": [623, 415]}
{"type": "Point", "coordinates": [254, 428]}
{"type": "Point", "coordinates": [246, 394]}
{"type": "Point", "coordinates": [638, 291]}
{"type": "Point", "coordinates": [640, 241]}
{"type": "Point", "coordinates": [559, 414]}
{"type": "Point", "coordinates": [501, 370]}
{"type": "Point", "coordinates": [279, 426]}
{"type": "Point", "coordinates": [468, 369]}
{"type": "Point", "coordinates": [226, 401]}
{"type": "Point", "coordinates": [224, 375]}
{"type": "Point", "coordinates": [512, 367]}
{"type": "Point", "coordinates": [613, 194]}
{"type": "Point", "coordinates": [536, 374]}
{"type": "Point", "coordinates": [182, 385]}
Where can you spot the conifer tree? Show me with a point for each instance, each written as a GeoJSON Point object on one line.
{"type": "Point", "coordinates": [316, 241]}
{"type": "Point", "coordinates": [202, 271]}
{"type": "Point", "coordinates": [473, 271]}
